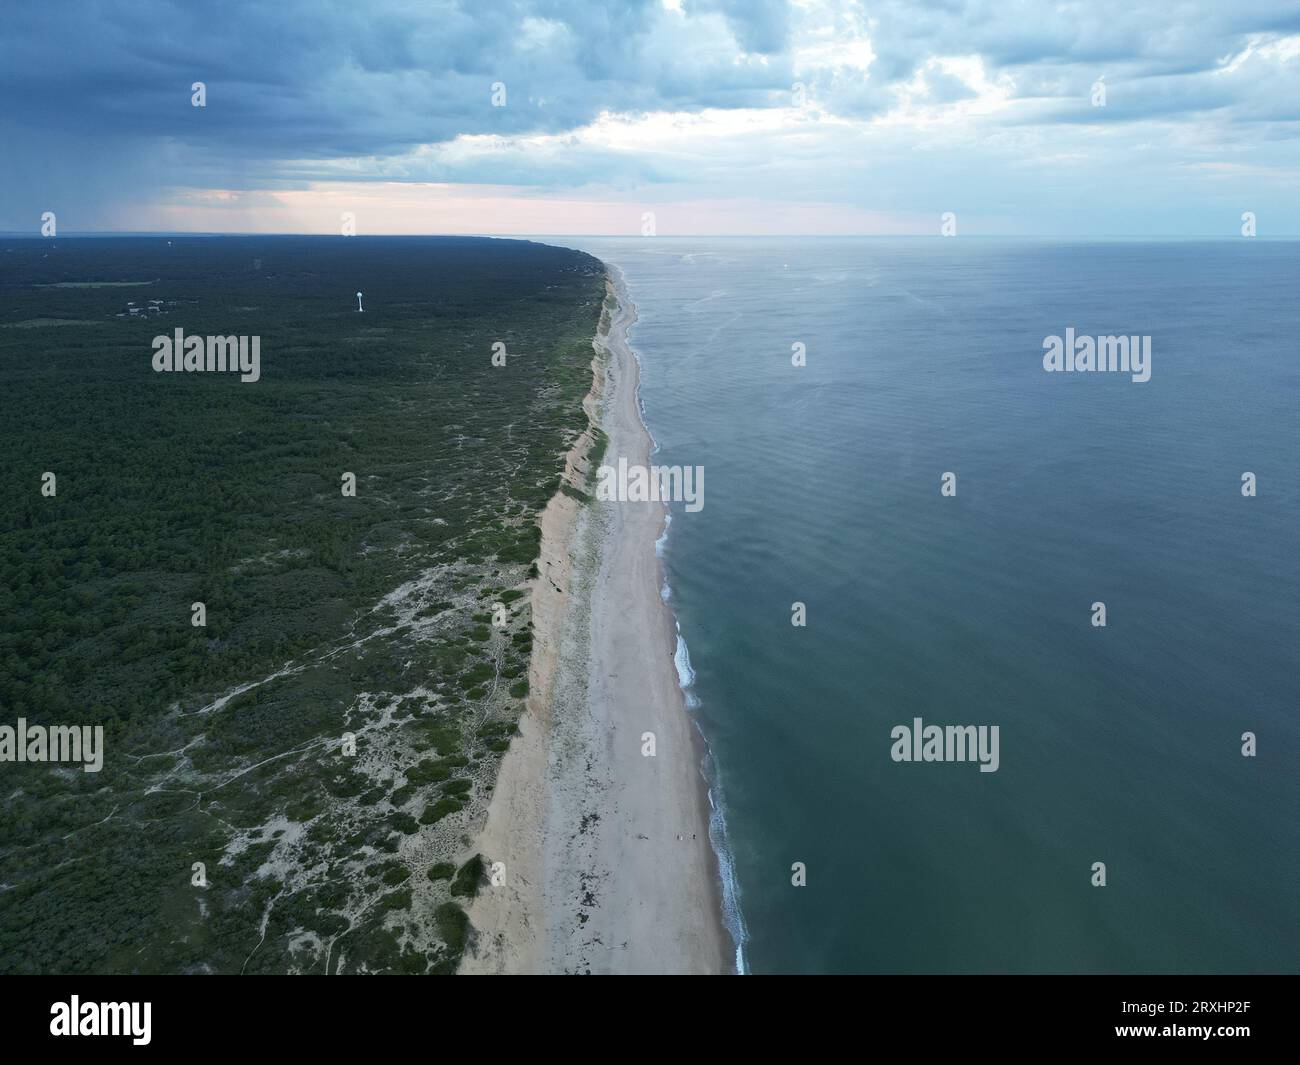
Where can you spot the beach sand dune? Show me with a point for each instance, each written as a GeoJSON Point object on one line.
{"type": "Point", "coordinates": [608, 866]}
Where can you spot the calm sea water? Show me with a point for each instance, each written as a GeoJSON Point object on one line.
{"type": "Point", "coordinates": [1119, 745]}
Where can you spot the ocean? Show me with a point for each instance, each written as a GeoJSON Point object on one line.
{"type": "Point", "coordinates": [1119, 744]}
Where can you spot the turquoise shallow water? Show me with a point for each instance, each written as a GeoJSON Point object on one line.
{"type": "Point", "coordinates": [1120, 745]}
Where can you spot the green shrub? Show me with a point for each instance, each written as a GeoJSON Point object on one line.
{"type": "Point", "coordinates": [394, 900]}
{"type": "Point", "coordinates": [435, 812]}
{"type": "Point", "coordinates": [453, 927]}
{"type": "Point", "coordinates": [468, 878]}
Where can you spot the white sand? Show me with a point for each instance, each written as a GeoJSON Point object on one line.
{"type": "Point", "coordinates": [608, 867]}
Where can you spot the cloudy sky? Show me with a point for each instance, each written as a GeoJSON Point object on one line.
{"type": "Point", "coordinates": [719, 116]}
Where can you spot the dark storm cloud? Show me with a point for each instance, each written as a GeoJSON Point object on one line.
{"type": "Point", "coordinates": [320, 80]}
{"type": "Point", "coordinates": [95, 94]}
{"type": "Point", "coordinates": [344, 79]}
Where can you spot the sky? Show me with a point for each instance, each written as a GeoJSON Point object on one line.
{"type": "Point", "coordinates": [677, 117]}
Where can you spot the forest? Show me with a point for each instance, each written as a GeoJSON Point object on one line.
{"type": "Point", "coordinates": [287, 786]}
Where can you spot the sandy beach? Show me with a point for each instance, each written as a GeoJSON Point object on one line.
{"type": "Point", "coordinates": [608, 866]}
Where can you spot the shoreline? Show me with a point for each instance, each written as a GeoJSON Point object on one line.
{"type": "Point", "coordinates": [609, 864]}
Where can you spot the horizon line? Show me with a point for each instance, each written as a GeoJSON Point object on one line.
{"type": "Point", "coordinates": [13, 234]}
